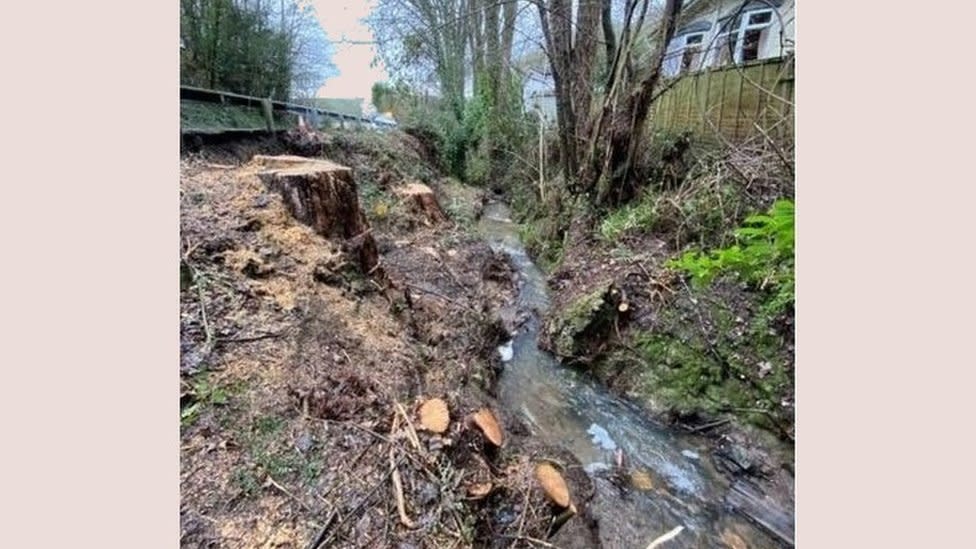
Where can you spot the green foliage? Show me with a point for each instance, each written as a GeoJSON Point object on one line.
{"type": "Point", "coordinates": [202, 393]}
{"type": "Point", "coordinates": [763, 255]}
{"type": "Point", "coordinates": [547, 250]}
{"type": "Point", "coordinates": [263, 49]}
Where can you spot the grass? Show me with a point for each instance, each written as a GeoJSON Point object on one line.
{"type": "Point", "coordinates": [270, 453]}
{"type": "Point", "coordinates": [199, 115]}
{"type": "Point", "coordinates": [630, 218]}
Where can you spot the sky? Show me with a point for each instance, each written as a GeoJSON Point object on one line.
{"type": "Point", "coordinates": [341, 21]}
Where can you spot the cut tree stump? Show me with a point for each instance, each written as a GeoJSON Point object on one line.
{"type": "Point", "coordinates": [423, 201]}
{"type": "Point", "coordinates": [323, 195]}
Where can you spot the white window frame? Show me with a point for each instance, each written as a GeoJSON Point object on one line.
{"type": "Point", "coordinates": [740, 31]}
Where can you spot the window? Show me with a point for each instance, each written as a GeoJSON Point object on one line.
{"type": "Point", "coordinates": [750, 45]}
{"type": "Point", "coordinates": [761, 18]}
{"type": "Point", "coordinates": [690, 54]}
{"type": "Point", "coordinates": [741, 38]}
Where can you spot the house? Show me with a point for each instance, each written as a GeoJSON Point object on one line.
{"type": "Point", "coordinates": [727, 32]}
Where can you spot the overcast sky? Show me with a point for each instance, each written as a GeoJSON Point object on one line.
{"type": "Point", "coordinates": [341, 20]}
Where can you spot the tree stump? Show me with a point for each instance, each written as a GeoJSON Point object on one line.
{"type": "Point", "coordinates": [323, 195]}
{"type": "Point", "coordinates": [423, 202]}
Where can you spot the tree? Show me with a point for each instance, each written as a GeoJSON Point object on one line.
{"type": "Point", "coordinates": [598, 146]}
{"type": "Point", "coordinates": [254, 47]}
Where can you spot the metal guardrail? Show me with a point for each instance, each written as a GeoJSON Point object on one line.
{"type": "Point", "coordinates": [229, 98]}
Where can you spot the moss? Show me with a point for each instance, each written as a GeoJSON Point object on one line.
{"type": "Point", "coordinates": [677, 368]}
{"type": "Point", "coordinates": [574, 329]}
{"type": "Point", "coordinates": [543, 240]}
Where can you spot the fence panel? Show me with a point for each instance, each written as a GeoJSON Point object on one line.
{"type": "Point", "coordinates": [731, 104]}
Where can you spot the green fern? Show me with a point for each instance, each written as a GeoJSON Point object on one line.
{"type": "Point", "coordinates": [763, 255]}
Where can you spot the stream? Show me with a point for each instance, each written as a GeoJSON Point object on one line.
{"type": "Point", "coordinates": [680, 485]}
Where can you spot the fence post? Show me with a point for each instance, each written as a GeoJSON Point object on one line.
{"type": "Point", "coordinates": [268, 114]}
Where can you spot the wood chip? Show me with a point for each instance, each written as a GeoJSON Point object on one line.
{"type": "Point", "coordinates": [553, 484]}
{"type": "Point", "coordinates": [434, 415]}
{"type": "Point", "coordinates": [480, 490]}
{"type": "Point", "coordinates": [486, 421]}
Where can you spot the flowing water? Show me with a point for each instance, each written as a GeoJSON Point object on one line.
{"type": "Point", "coordinates": [566, 409]}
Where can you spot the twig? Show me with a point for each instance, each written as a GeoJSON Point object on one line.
{"type": "Point", "coordinates": [208, 344]}
{"type": "Point", "coordinates": [321, 541]}
{"type": "Point", "coordinates": [532, 540]}
{"type": "Point", "coordinates": [436, 294]}
{"type": "Point", "coordinates": [668, 536]}
{"type": "Point", "coordinates": [269, 335]}
{"type": "Point", "coordinates": [285, 491]}
{"type": "Point", "coordinates": [411, 432]}
{"type": "Point", "coordinates": [525, 509]}
{"type": "Point", "coordinates": [710, 425]}
{"type": "Point", "coordinates": [398, 492]}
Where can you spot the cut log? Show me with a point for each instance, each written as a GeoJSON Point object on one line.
{"type": "Point", "coordinates": [323, 195]}
{"type": "Point", "coordinates": [423, 201]}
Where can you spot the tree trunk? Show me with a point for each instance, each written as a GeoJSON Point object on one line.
{"type": "Point", "coordinates": [627, 130]}
{"type": "Point", "coordinates": [423, 201]}
{"type": "Point", "coordinates": [323, 195]}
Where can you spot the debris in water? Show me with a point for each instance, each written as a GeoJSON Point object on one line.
{"type": "Point", "coordinates": [642, 480]}
{"type": "Point", "coordinates": [596, 467]}
{"type": "Point", "coordinates": [601, 437]}
{"type": "Point", "coordinates": [668, 536]}
{"type": "Point", "coordinates": [506, 351]}
{"type": "Point", "coordinates": [689, 454]}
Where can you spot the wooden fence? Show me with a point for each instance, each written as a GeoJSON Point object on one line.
{"type": "Point", "coordinates": [731, 104]}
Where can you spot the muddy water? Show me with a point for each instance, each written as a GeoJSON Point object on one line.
{"type": "Point", "coordinates": [668, 479]}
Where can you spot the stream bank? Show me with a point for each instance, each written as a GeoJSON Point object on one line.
{"type": "Point", "coordinates": [302, 378]}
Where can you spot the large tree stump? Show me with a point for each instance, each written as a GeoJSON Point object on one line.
{"type": "Point", "coordinates": [323, 195]}
{"type": "Point", "coordinates": [423, 201]}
